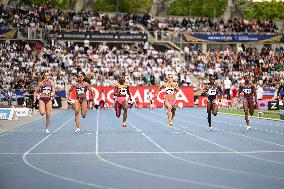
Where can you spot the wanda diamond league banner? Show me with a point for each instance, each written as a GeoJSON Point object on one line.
{"type": "Point", "coordinates": [141, 95]}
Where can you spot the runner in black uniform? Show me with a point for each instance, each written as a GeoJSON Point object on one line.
{"type": "Point", "coordinates": [250, 98]}
{"type": "Point", "coordinates": [212, 91]}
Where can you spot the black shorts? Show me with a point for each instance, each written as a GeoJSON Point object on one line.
{"type": "Point", "coordinates": [211, 99]}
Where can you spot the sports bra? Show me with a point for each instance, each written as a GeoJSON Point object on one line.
{"type": "Point", "coordinates": [170, 89]}
{"type": "Point", "coordinates": [46, 88]}
{"type": "Point", "coordinates": [122, 89]}
{"type": "Point", "coordinates": [80, 89]}
{"type": "Point", "coordinates": [213, 90]}
{"type": "Point", "coordinates": [247, 89]}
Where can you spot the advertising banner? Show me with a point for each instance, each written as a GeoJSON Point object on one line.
{"type": "Point", "coordinates": [98, 36]}
{"type": "Point", "coordinates": [141, 95]}
{"type": "Point", "coordinates": [56, 102]}
{"type": "Point", "coordinates": [262, 104]}
{"type": "Point", "coordinates": [267, 91]}
{"type": "Point", "coordinates": [22, 112]}
{"type": "Point", "coordinates": [61, 94]}
{"type": "Point", "coordinates": [273, 105]}
{"type": "Point", "coordinates": [7, 33]}
{"type": "Point", "coordinates": [202, 37]}
{"type": "Point", "coordinates": [6, 113]}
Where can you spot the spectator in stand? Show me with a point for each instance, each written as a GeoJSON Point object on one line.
{"type": "Point", "coordinates": [281, 93]}
{"type": "Point", "coordinates": [235, 97]}
{"type": "Point", "coordinates": [259, 92]}
{"type": "Point", "coordinates": [227, 87]}
{"type": "Point", "coordinates": [210, 25]}
{"type": "Point", "coordinates": [10, 97]}
{"type": "Point", "coordinates": [42, 17]}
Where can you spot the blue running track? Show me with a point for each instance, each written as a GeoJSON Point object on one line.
{"type": "Point", "coordinates": [147, 154]}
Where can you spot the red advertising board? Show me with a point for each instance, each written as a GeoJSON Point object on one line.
{"type": "Point", "coordinates": [140, 95]}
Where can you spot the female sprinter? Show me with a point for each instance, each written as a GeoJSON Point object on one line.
{"type": "Point", "coordinates": [171, 88]}
{"type": "Point", "coordinates": [212, 91]}
{"type": "Point", "coordinates": [249, 91]}
{"type": "Point", "coordinates": [121, 91]}
{"type": "Point", "coordinates": [46, 90]}
{"type": "Point", "coordinates": [81, 88]}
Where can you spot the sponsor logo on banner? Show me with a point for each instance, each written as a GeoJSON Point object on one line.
{"type": "Point", "coordinates": [6, 113]}
{"type": "Point", "coordinates": [22, 112]}
{"type": "Point", "coordinates": [269, 91]}
{"type": "Point", "coordinates": [273, 105]}
{"type": "Point", "coordinates": [98, 36]}
{"type": "Point", "coordinates": [140, 95]}
{"type": "Point", "coordinates": [218, 37]}
{"type": "Point", "coordinates": [202, 101]}
{"type": "Point", "coordinates": [61, 94]}
{"type": "Point", "coordinates": [262, 104]}
{"type": "Point", "coordinates": [56, 102]}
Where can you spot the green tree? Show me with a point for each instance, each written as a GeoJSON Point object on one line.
{"type": "Point", "coordinates": [197, 8]}
{"type": "Point", "coordinates": [59, 4]}
{"type": "Point", "coordinates": [105, 5]}
{"type": "Point", "coordinates": [265, 10]}
{"type": "Point", "coordinates": [131, 6]}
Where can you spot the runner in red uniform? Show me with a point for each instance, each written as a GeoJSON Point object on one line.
{"type": "Point", "coordinates": [81, 88]}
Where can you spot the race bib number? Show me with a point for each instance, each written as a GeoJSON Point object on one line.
{"type": "Point", "coordinates": [212, 92]}
{"type": "Point", "coordinates": [80, 90]}
{"type": "Point", "coordinates": [46, 90]}
{"type": "Point", "coordinates": [170, 90]}
{"type": "Point", "coordinates": [247, 91]}
{"type": "Point", "coordinates": [123, 91]}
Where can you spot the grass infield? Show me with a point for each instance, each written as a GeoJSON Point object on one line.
{"type": "Point", "coordinates": [273, 114]}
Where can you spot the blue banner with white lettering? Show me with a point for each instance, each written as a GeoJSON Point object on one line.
{"type": "Point", "coordinates": [61, 94]}
{"type": "Point", "coordinates": [7, 33]}
{"type": "Point", "coordinates": [269, 91]}
{"type": "Point", "coordinates": [197, 37]}
{"type": "Point", "coordinates": [6, 113]}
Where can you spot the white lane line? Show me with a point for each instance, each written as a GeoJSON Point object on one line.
{"type": "Point", "coordinates": [27, 125]}
{"type": "Point", "coordinates": [150, 173]}
{"type": "Point", "coordinates": [217, 119]}
{"type": "Point", "coordinates": [266, 130]}
{"type": "Point", "coordinates": [221, 168]}
{"type": "Point", "coordinates": [229, 132]}
{"type": "Point", "coordinates": [20, 128]}
{"type": "Point", "coordinates": [256, 118]}
{"type": "Point", "coordinates": [216, 144]}
{"type": "Point", "coordinates": [53, 174]}
{"type": "Point", "coordinates": [146, 152]}
{"type": "Point", "coordinates": [202, 164]}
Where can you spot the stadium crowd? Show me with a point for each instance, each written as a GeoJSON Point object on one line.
{"type": "Point", "coordinates": [265, 66]}
{"type": "Point", "coordinates": [22, 64]}
{"type": "Point", "coordinates": [42, 17]}
{"type": "Point", "coordinates": [210, 25]}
